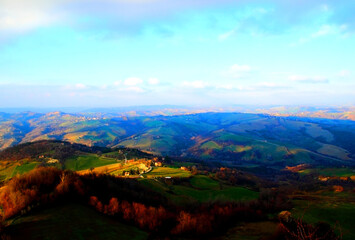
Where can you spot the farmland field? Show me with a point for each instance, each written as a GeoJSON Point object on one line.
{"type": "Point", "coordinates": [201, 189]}
{"type": "Point", "coordinates": [167, 172]}
{"type": "Point", "coordinates": [337, 172]}
{"type": "Point", "coordinates": [26, 167]}
{"type": "Point", "coordinates": [16, 168]}
{"type": "Point", "coordinates": [330, 172]}
{"type": "Point", "coordinates": [88, 161]}
{"type": "Point", "coordinates": [225, 194]}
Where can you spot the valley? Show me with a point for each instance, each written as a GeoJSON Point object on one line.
{"type": "Point", "coordinates": [186, 172]}
{"type": "Point", "coordinates": [234, 137]}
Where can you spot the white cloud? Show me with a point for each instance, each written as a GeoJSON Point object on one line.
{"type": "Point", "coordinates": [226, 35]}
{"type": "Point", "coordinates": [21, 16]}
{"type": "Point", "coordinates": [270, 86]}
{"type": "Point", "coordinates": [325, 8]}
{"type": "Point", "coordinates": [153, 81]}
{"type": "Point", "coordinates": [308, 79]}
{"type": "Point", "coordinates": [73, 87]}
{"type": "Point", "coordinates": [132, 81]}
{"type": "Point", "coordinates": [18, 16]}
{"type": "Point", "coordinates": [240, 68]}
{"type": "Point", "coordinates": [80, 86]}
{"type": "Point", "coordinates": [225, 86]}
{"type": "Point", "coordinates": [344, 73]}
{"type": "Point", "coordinates": [195, 84]}
{"type": "Point", "coordinates": [324, 30]}
{"type": "Point", "coordinates": [237, 71]}
{"type": "Point", "coordinates": [134, 89]}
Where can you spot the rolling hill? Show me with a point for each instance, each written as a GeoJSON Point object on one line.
{"type": "Point", "coordinates": [63, 155]}
{"type": "Point", "coordinates": [241, 138]}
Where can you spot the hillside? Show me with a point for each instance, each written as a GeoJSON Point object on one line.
{"type": "Point", "coordinates": [63, 155]}
{"type": "Point", "coordinates": [50, 185]}
{"type": "Point", "coordinates": [240, 138]}
{"type": "Point", "coordinates": [79, 222]}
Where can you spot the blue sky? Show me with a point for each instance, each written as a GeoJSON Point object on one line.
{"type": "Point", "coordinates": [108, 53]}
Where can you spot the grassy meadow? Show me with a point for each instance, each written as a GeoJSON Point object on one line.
{"type": "Point", "coordinates": [336, 209]}
{"type": "Point", "coordinates": [167, 172]}
{"type": "Point", "coordinates": [88, 161]}
{"type": "Point", "coordinates": [200, 188]}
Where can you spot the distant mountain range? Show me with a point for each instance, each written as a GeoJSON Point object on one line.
{"type": "Point", "coordinates": [344, 113]}
{"type": "Point", "coordinates": [241, 138]}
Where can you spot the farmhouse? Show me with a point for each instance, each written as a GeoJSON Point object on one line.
{"type": "Point", "coordinates": [158, 164]}
{"type": "Point", "coordinates": [52, 161]}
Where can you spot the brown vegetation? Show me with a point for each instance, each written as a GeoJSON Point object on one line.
{"type": "Point", "coordinates": [296, 229]}
{"type": "Point", "coordinates": [145, 217]}
{"type": "Point", "coordinates": [297, 168]}
{"type": "Point", "coordinates": [39, 186]}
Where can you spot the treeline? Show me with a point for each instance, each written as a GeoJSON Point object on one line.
{"type": "Point", "coordinates": [129, 153]}
{"type": "Point", "coordinates": [146, 217]}
{"type": "Point", "coordinates": [125, 199]}
{"type": "Point", "coordinates": [48, 184]}
{"type": "Point", "coordinates": [193, 221]}
{"type": "Point", "coordinates": [50, 148]}
{"type": "Point", "coordinates": [38, 187]}
{"type": "Point", "coordinates": [61, 150]}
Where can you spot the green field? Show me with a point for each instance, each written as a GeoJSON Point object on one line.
{"type": "Point", "coordinates": [26, 167]}
{"type": "Point", "coordinates": [234, 137]}
{"type": "Point", "coordinates": [206, 189]}
{"type": "Point", "coordinates": [71, 221]}
{"type": "Point", "coordinates": [201, 189]}
{"type": "Point", "coordinates": [225, 195]}
{"type": "Point", "coordinates": [167, 172]}
{"type": "Point", "coordinates": [147, 142]}
{"type": "Point", "coordinates": [7, 172]}
{"type": "Point", "coordinates": [125, 168]}
{"type": "Point", "coordinates": [88, 161]}
{"type": "Point", "coordinates": [204, 182]}
{"type": "Point", "coordinates": [336, 209]}
{"type": "Point", "coordinates": [15, 169]}
{"type": "Point", "coordinates": [211, 145]}
{"type": "Point", "coordinates": [337, 172]}
{"type": "Point", "coordinates": [330, 172]}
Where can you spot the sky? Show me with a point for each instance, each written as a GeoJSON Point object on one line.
{"type": "Point", "coordinates": [111, 53]}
